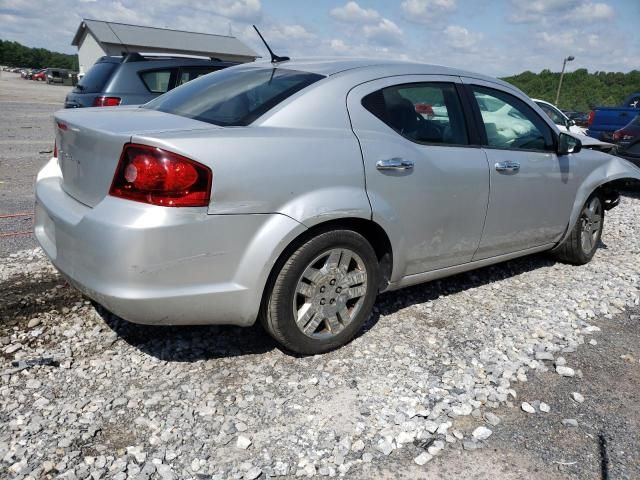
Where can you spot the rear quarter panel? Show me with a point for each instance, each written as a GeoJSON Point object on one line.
{"type": "Point", "coordinates": [309, 174]}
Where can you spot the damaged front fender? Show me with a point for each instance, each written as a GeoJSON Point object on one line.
{"type": "Point", "coordinates": [612, 175]}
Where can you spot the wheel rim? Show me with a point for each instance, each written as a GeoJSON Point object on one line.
{"type": "Point", "coordinates": [591, 220]}
{"type": "Point", "coordinates": [330, 293]}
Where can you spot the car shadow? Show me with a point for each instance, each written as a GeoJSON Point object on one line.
{"type": "Point", "coordinates": [190, 343]}
{"type": "Point", "coordinates": [194, 343]}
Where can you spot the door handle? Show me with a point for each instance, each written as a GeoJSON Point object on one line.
{"type": "Point", "coordinates": [507, 167]}
{"type": "Point", "coordinates": [394, 164]}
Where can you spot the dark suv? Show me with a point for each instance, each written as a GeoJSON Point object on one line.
{"type": "Point", "coordinates": [134, 79]}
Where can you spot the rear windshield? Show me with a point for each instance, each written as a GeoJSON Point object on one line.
{"type": "Point", "coordinates": [233, 97]}
{"type": "Point", "coordinates": [96, 78]}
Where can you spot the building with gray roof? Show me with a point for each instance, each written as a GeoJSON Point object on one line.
{"type": "Point", "coordinates": [96, 38]}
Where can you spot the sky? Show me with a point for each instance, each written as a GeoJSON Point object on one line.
{"type": "Point", "coordinates": [494, 37]}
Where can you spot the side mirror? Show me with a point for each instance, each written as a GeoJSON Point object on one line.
{"type": "Point", "coordinates": [572, 123]}
{"type": "Point", "coordinates": [568, 144]}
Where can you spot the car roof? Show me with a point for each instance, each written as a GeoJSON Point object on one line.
{"type": "Point", "coordinates": [329, 66]}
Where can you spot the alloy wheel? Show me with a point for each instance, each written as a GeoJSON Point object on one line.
{"type": "Point", "coordinates": [591, 219]}
{"type": "Point", "coordinates": [329, 293]}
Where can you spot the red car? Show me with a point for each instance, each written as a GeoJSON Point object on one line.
{"type": "Point", "coordinates": [40, 75]}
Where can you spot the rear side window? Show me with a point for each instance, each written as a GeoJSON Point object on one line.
{"type": "Point", "coordinates": [96, 78]}
{"type": "Point", "coordinates": [191, 73]}
{"type": "Point", "coordinates": [422, 112]}
{"type": "Point", "coordinates": [157, 81]}
{"type": "Point", "coordinates": [233, 97]}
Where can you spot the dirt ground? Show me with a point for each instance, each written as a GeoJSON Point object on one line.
{"type": "Point", "coordinates": [604, 445]}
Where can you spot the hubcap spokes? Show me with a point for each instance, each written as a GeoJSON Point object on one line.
{"type": "Point", "coordinates": [591, 220]}
{"type": "Point", "coordinates": [329, 293]}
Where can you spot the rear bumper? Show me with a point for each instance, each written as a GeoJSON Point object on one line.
{"type": "Point", "coordinates": [160, 265]}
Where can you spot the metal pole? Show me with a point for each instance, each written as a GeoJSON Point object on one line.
{"type": "Point", "coordinates": [564, 64]}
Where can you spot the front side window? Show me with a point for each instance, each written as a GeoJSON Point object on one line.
{"type": "Point", "coordinates": [233, 97]}
{"type": "Point", "coordinates": [422, 112]}
{"type": "Point", "coordinates": [511, 123]}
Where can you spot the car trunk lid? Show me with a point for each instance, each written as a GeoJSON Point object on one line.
{"type": "Point", "coordinates": [90, 142]}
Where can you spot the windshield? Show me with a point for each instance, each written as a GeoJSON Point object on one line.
{"type": "Point", "coordinates": [233, 97]}
{"type": "Point", "coordinates": [96, 78]}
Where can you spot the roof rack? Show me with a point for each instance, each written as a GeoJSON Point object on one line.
{"type": "Point", "coordinates": [138, 57]}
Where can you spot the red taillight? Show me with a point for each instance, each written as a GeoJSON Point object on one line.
{"type": "Point", "coordinates": [106, 101]}
{"type": "Point", "coordinates": [55, 149]}
{"type": "Point", "coordinates": [592, 114]}
{"type": "Point", "coordinates": [158, 177]}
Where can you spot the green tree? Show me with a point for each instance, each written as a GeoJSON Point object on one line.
{"type": "Point", "coordinates": [581, 90]}
{"type": "Point", "coordinates": [14, 54]}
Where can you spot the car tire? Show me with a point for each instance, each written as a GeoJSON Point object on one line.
{"type": "Point", "coordinates": [581, 244]}
{"type": "Point", "coordinates": [323, 292]}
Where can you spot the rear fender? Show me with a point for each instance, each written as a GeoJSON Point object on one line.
{"type": "Point", "coordinates": [325, 204]}
{"type": "Point", "coordinates": [615, 169]}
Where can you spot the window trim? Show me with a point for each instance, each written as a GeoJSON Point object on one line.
{"type": "Point", "coordinates": [464, 110]}
{"type": "Point", "coordinates": [482, 130]}
{"type": "Point", "coordinates": [172, 78]}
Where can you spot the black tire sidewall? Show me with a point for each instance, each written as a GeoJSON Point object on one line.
{"type": "Point", "coordinates": [280, 303]}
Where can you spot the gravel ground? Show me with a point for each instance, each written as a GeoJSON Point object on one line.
{"type": "Point", "coordinates": [26, 143]}
{"type": "Point", "coordinates": [419, 394]}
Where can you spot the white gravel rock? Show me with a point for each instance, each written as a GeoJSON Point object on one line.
{"type": "Point", "coordinates": [243, 442]}
{"type": "Point", "coordinates": [385, 447]}
{"type": "Point", "coordinates": [577, 397]}
{"type": "Point", "coordinates": [491, 418]}
{"type": "Point", "coordinates": [544, 407]}
{"type": "Point", "coordinates": [565, 371]}
{"type": "Point", "coordinates": [423, 458]}
{"type": "Point", "coordinates": [527, 407]}
{"type": "Point", "coordinates": [481, 433]}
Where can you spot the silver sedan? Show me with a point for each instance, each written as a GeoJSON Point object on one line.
{"type": "Point", "coordinates": [295, 192]}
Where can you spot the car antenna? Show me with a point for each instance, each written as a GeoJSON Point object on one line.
{"type": "Point", "coordinates": [274, 58]}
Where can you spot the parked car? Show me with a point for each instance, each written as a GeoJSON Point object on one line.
{"type": "Point", "coordinates": [625, 136]}
{"type": "Point", "coordinates": [296, 191]}
{"type": "Point", "coordinates": [135, 79]}
{"type": "Point", "coordinates": [518, 122]}
{"type": "Point", "coordinates": [28, 73]}
{"type": "Point", "coordinates": [603, 121]}
{"type": "Point", "coordinates": [631, 151]}
{"type": "Point", "coordinates": [57, 75]}
{"type": "Point", "coordinates": [581, 118]}
{"type": "Point", "coordinates": [40, 75]}
{"type": "Point", "coordinates": [562, 121]}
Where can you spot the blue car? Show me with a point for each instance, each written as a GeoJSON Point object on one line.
{"type": "Point", "coordinates": [603, 121]}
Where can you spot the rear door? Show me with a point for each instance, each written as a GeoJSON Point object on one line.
{"type": "Point", "coordinates": [427, 184]}
{"type": "Point", "coordinates": [532, 189]}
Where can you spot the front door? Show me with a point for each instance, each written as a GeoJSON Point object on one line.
{"type": "Point", "coordinates": [532, 189]}
{"type": "Point", "coordinates": [428, 186]}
